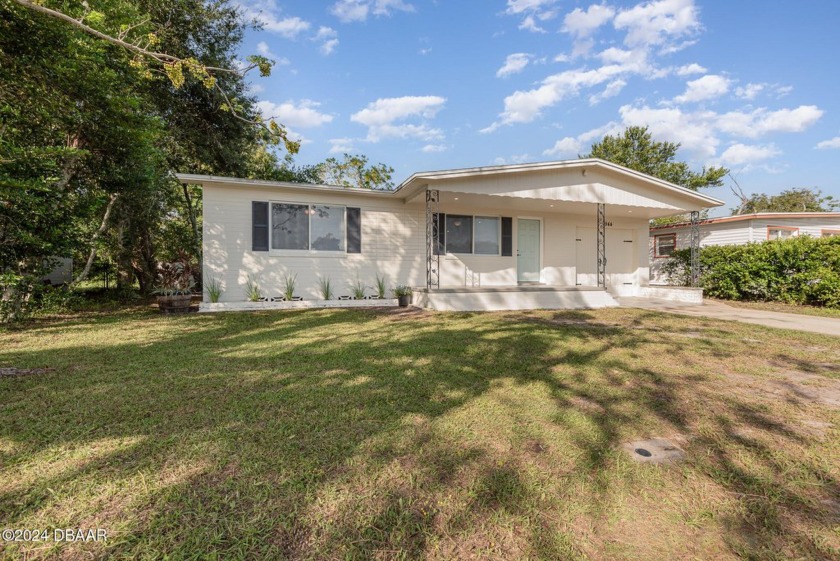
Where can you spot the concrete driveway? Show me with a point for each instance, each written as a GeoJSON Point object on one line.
{"type": "Point", "coordinates": [717, 310]}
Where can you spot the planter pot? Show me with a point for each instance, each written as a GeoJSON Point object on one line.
{"type": "Point", "coordinates": [174, 304]}
{"type": "Point", "coordinates": [404, 301]}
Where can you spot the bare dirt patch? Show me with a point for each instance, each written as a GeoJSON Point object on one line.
{"type": "Point", "coordinates": [792, 385]}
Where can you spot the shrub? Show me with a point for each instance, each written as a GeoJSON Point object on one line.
{"type": "Point", "coordinates": [214, 289]}
{"type": "Point", "coordinates": [358, 290]}
{"type": "Point", "coordinates": [289, 283]}
{"type": "Point", "coordinates": [325, 286]}
{"type": "Point", "coordinates": [381, 287]}
{"type": "Point", "coordinates": [798, 270]}
{"type": "Point", "coordinates": [252, 290]}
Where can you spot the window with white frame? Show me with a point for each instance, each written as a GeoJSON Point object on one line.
{"type": "Point", "coordinates": [664, 245]}
{"type": "Point", "coordinates": [479, 235]}
{"type": "Point", "coordinates": [307, 227]}
{"type": "Point", "coordinates": [781, 232]}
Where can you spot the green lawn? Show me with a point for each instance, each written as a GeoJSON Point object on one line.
{"type": "Point", "coordinates": [417, 435]}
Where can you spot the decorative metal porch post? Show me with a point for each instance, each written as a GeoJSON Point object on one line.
{"type": "Point", "coordinates": [432, 225]}
{"type": "Point", "coordinates": [695, 248]}
{"type": "Point", "coordinates": [602, 245]}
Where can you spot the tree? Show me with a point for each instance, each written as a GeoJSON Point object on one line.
{"type": "Point", "coordinates": [353, 171]}
{"type": "Point", "coordinates": [636, 149]}
{"type": "Point", "coordinates": [97, 108]}
{"type": "Point", "coordinates": [791, 200]}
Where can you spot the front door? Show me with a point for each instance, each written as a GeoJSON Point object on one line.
{"type": "Point", "coordinates": [528, 250]}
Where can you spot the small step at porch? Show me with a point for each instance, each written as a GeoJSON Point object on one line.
{"type": "Point", "coordinates": [524, 297]}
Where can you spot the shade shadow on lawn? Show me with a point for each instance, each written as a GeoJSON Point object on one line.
{"type": "Point", "coordinates": [364, 434]}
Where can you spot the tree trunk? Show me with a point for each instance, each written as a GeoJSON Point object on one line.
{"type": "Point", "coordinates": [92, 255]}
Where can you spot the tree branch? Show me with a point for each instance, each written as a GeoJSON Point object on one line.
{"type": "Point", "coordinates": [274, 129]}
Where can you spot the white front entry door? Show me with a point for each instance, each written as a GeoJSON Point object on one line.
{"type": "Point", "coordinates": [528, 250]}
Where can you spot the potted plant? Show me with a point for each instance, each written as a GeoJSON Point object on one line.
{"type": "Point", "coordinates": [403, 294]}
{"type": "Point", "coordinates": [174, 286]}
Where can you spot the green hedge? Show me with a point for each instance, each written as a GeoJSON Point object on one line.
{"type": "Point", "coordinates": [800, 270]}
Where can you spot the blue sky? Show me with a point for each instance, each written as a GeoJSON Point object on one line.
{"type": "Point", "coordinates": [424, 84]}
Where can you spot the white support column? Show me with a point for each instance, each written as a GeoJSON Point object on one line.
{"type": "Point", "coordinates": [602, 245]}
{"type": "Point", "coordinates": [432, 225]}
{"type": "Point", "coordinates": [695, 249]}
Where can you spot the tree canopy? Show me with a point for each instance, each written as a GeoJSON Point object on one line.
{"type": "Point", "coordinates": [791, 200]}
{"type": "Point", "coordinates": [636, 149]}
{"type": "Point", "coordinates": [91, 130]}
{"type": "Point", "coordinates": [100, 102]}
{"type": "Point", "coordinates": [354, 171]}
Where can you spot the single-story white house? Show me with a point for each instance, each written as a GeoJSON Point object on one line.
{"type": "Point", "coordinates": [737, 230]}
{"type": "Point", "coordinates": [560, 234]}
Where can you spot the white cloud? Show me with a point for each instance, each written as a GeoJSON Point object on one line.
{"type": "Point", "coordinates": [658, 23]}
{"type": "Point", "coordinates": [350, 10]}
{"type": "Point", "coordinates": [571, 147]}
{"type": "Point", "coordinates": [749, 91]}
{"type": "Point", "coordinates": [515, 159]}
{"type": "Point", "coordinates": [265, 50]}
{"type": "Point", "coordinates": [513, 64]}
{"type": "Point", "coordinates": [303, 114]}
{"type": "Point", "coordinates": [709, 86]}
{"type": "Point", "coordinates": [782, 91]}
{"type": "Point", "coordinates": [831, 143]}
{"type": "Point", "coordinates": [700, 132]}
{"type": "Point", "coordinates": [289, 28]}
{"type": "Point", "coordinates": [567, 147]}
{"type": "Point", "coordinates": [525, 106]}
{"type": "Point", "coordinates": [341, 145]}
{"type": "Point", "coordinates": [328, 47]}
{"type": "Point", "coordinates": [530, 24]}
{"type": "Point", "coordinates": [432, 148]}
{"type": "Point", "coordinates": [761, 121]}
{"type": "Point", "coordinates": [532, 11]}
{"type": "Point", "coordinates": [582, 23]}
{"type": "Point", "coordinates": [381, 117]}
{"type": "Point", "coordinates": [613, 89]}
{"type": "Point", "coordinates": [328, 37]}
{"type": "Point", "coordinates": [739, 154]}
{"type": "Point", "coordinates": [520, 6]}
{"type": "Point", "coordinates": [689, 69]}
{"type": "Point", "coordinates": [695, 131]}
{"type": "Point", "coordinates": [269, 16]}
{"type": "Point", "coordinates": [358, 10]}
